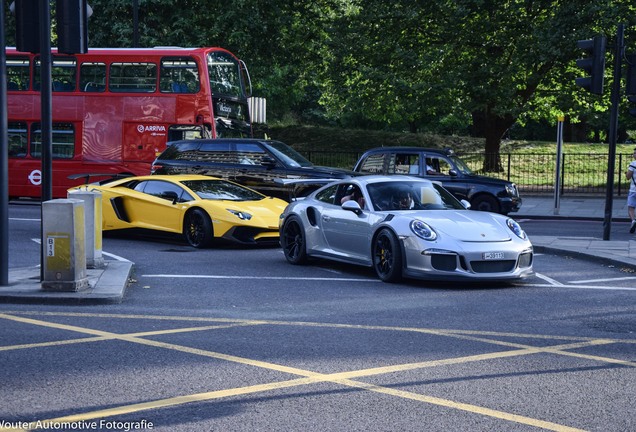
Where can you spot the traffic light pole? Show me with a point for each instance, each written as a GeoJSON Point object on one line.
{"type": "Point", "coordinates": [613, 131]}
{"type": "Point", "coordinates": [4, 161]}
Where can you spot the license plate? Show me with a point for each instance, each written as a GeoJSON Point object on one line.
{"type": "Point", "coordinates": [493, 255]}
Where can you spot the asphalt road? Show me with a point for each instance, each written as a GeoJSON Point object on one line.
{"type": "Point", "coordinates": [237, 339]}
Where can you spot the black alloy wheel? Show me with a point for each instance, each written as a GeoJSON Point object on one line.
{"type": "Point", "coordinates": [197, 229]}
{"type": "Point", "coordinates": [387, 256]}
{"type": "Point", "coordinates": [293, 241]}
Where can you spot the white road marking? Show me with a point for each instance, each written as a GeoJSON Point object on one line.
{"type": "Point", "coordinates": [548, 279]}
{"type": "Point", "coordinates": [599, 287]}
{"type": "Point", "coordinates": [603, 280]}
{"type": "Point", "coordinates": [115, 257]}
{"type": "Point", "coordinates": [259, 277]}
{"type": "Point", "coordinates": [25, 219]}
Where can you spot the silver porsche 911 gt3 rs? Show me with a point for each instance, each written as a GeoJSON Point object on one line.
{"type": "Point", "coordinates": [404, 227]}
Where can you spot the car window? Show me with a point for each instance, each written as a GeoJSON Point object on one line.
{"type": "Point", "coordinates": [347, 192]}
{"type": "Point", "coordinates": [436, 164]}
{"type": "Point", "coordinates": [328, 195]}
{"type": "Point", "coordinates": [249, 154]}
{"type": "Point", "coordinates": [373, 164]}
{"type": "Point", "coordinates": [288, 155]}
{"type": "Point", "coordinates": [212, 152]}
{"type": "Point", "coordinates": [163, 189]}
{"type": "Point", "coordinates": [404, 163]}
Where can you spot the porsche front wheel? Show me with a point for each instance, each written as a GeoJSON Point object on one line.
{"type": "Point", "coordinates": [387, 256]}
{"type": "Point", "coordinates": [292, 240]}
{"type": "Point", "coordinates": [197, 229]}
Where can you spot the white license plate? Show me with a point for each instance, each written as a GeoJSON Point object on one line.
{"type": "Point", "coordinates": [493, 255]}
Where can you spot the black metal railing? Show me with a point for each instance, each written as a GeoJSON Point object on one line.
{"type": "Point", "coordinates": [581, 173]}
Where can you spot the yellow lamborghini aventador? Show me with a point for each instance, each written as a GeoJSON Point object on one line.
{"type": "Point", "coordinates": [201, 208]}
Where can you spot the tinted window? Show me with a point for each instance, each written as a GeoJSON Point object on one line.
{"type": "Point", "coordinates": [92, 77]}
{"type": "Point", "coordinates": [63, 140]}
{"type": "Point", "coordinates": [133, 77]}
{"type": "Point", "coordinates": [250, 154]}
{"type": "Point", "coordinates": [160, 188]}
{"type": "Point", "coordinates": [179, 75]}
{"type": "Point", "coordinates": [214, 152]}
{"type": "Point", "coordinates": [222, 190]}
{"type": "Point", "coordinates": [288, 155]}
{"type": "Point", "coordinates": [404, 163]}
{"type": "Point", "coordinates": [373, 164]}
{"type": "Point", "coordinates": [17, 73]}
{"type": "Point", "coordinates": [17, 139]}
{"type": "Point", "coordinates": [327, 195]}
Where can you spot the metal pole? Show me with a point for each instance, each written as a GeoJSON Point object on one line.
{"type": "Point", "coordinates": [4, 160]}
{"type": "Point", "coordinates": [45, 116]}
{"type": "Point", "coordinates": [557, 178]}
{"type": "Point", "coordinates": [613, 130]}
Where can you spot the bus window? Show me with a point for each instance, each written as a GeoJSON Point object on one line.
{"type": "Point", "coordinates": [63, 142]}
{"type": "Point", "coordinates": [17, 139]}
{"type": "Point", "coordinates": [63, 73]}
{"type": "Point", "coordinates": [225, 75]}
{"type": "Point", "coordinates": [133, 77]}
{"type": "Point", "coordinates": [93, 77]}
{"type": "Point", "coordinates": [179, 75]}
{"type": "Point", "coordinates": [17, 73]}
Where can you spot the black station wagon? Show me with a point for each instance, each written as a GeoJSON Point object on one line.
{"type": "Point", "coordinates": [483, 193]}
{"type": "Point", "coordinates": [259, 164]}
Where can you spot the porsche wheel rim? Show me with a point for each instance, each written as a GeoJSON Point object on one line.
{"type": "Point", "coordinates": [293, 240]}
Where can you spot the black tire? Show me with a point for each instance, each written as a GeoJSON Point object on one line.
{"type": "Point", "coordinates": [197, 229]}
{"type": "Point", "coordinates": [387, 256]}
{"type": "Point", "coordinates": [292, 240]}
{"type": "Point", "coordinates": [485, 203]}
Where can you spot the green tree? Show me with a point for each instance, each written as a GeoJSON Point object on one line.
{"type": "Point", "coordinates": [499, 60]}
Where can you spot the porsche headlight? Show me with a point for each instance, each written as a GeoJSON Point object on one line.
{"type": "Point", "coordinates": [240, 214]}
{"type": "Point", "coordinates": [516, 228]}
{"type": "Point", "coordinates": [423, 230]}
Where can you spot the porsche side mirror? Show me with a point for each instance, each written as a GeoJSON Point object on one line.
{"type": "Point", "coordinates": [466, 204]}
{"type": "Point", "coordinates": [352, 206]}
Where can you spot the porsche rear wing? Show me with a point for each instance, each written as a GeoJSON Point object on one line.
{"type": "Point", "coordinates": [294, 183]}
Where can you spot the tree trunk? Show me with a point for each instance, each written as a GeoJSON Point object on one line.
{"type": "Point", "coordinates": [491, 126]}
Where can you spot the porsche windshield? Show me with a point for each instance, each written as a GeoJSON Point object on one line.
{"type": "Point", "coordinates": [221, 190]}
{"type": "Point", "coordinates": [411, 195]}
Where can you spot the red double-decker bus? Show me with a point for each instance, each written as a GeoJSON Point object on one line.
{"type": "Point", "coordinates": [114, 110]}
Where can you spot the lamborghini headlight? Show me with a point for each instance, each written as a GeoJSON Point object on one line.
{"type": "Point", "coordinates": [516, 228]}
{"type": "Point", "coordinates": [240, 214]}
{"type": "Point", "coordinates": [423, 230]}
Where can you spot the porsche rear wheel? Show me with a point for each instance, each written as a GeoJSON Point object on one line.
{"type": "Point", "coordinates": [197, 229]}
{"type": "Point", "coordinates": [387, 256]}
{"type": "Point", "coordinates": [292, 240]}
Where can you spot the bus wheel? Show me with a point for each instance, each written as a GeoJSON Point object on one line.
{"type": "Point", "coordinates": [197, 229]}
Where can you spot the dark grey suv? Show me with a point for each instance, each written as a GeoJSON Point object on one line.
{"type": "Point", "coordinates": [483, 193]}
{"type": "Point", "coordinates": [259, 164]}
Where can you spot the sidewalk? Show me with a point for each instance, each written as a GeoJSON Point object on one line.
{"type": "Point", "coordinates": [109, 283]}
{"type": "Point", "coordinates": [616, 252]}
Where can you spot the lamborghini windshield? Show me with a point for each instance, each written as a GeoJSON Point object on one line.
{"type": "Point", "coordinates": [222, 190]}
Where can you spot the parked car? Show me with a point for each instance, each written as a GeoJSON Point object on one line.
{"type": "Point", "coordinates": [259, 164]}
{"type": "Point", "coordinates": [483, 193]}
{"type": "Point", "coordinates": [404, 227]}
{"type": "Point", "coordinates": [201, 208]}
